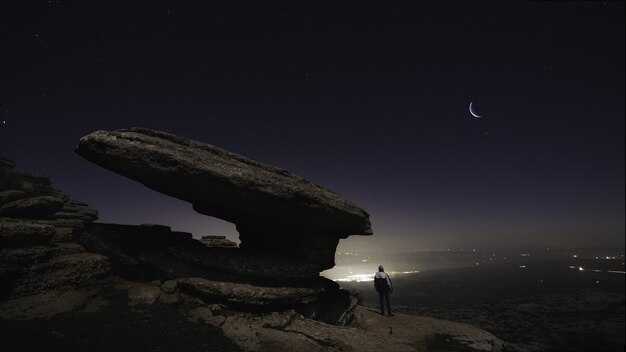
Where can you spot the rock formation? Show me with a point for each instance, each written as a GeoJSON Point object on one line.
{"type": "Point", "coordinates": [289, 227]}
{"type": "Point", "coordinates": [39, 262]}
{"type": "Point", "coordinates": [274, 210]}
{"type": "Point", "coordinates": [116, 283]}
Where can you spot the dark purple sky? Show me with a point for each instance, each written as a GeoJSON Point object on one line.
{"type": "Point", "coordinates": [367, 98]}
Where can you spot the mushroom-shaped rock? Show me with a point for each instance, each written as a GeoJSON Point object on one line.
{"type": "Point", "coordinates": [275, 210]}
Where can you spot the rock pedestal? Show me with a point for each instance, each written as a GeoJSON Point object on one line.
{"type": "Point", "coordinates": [275, 211]}
{"type": "Point", "coordinates": [289, 227]}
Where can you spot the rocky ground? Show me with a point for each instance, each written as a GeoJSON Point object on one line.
{"type": "Point", "coordinates": [112, 319]}
{"type": "Point", "coordinates": [143, 316]}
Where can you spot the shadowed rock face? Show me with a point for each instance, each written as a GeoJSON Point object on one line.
{"type": "Point", "coordinates": [274, 210]}
{"type": "Point", "coordinates": [177, 254]}
{"type": "Point", "coordinates": [37, 256]}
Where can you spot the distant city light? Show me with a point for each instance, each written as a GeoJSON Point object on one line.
{"type": "Point", "coordinates": [580, 268]}
{"type": "Point", "coordinates": [370, 277]}
{"type": "Point", "coordinates": [357, 278]}
{"type": "Point", "coordinates": [358, 262]}
{"type": "Point", "coordinates": [392, 273]}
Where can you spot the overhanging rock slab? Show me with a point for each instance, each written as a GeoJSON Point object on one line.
{"type": "Point", "coordinates": [274, 210]}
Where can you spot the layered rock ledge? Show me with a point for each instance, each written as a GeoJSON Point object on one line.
{"type": "Point", "coordinates": [39, 261]}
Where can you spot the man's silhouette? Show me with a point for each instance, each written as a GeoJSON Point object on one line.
{"type": "Point", "coordinates": [382, 283]}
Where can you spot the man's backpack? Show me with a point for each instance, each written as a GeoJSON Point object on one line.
{"type": "Point", "coordinates": [381, 285]}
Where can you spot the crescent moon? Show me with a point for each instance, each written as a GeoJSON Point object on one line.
{"type": "Point", "coordinates": [472, 111]}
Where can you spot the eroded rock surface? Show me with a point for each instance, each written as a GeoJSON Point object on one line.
{"type": "Point", "coordinates": [274, 210]}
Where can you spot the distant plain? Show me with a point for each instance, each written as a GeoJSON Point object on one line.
{"type": "Point", "coordinates": [541, 301]}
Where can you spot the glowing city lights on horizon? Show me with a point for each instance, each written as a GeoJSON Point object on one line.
{"type": "Point", "coordinates": [370, 277]}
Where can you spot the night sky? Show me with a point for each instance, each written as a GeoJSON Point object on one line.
{"type": "Point", "coordinates": [367, 98]}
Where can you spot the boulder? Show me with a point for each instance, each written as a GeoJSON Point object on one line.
{"type": "Point", "coordinates": [143, 294]}
{"type": "Point", "coordinates": [168, 298]}
{"type": "Point", "coordinates": [274, 210]}
{"type": "Point", "coordinates": [169, 286]}
{"type": "Point", "coordinates": [32, 208]}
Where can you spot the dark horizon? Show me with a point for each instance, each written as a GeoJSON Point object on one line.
{"type": "Point", "coordinates": [369, 101]}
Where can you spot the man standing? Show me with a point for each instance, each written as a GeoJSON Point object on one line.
{"type": "Point", "coordinates": [382, 283]}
